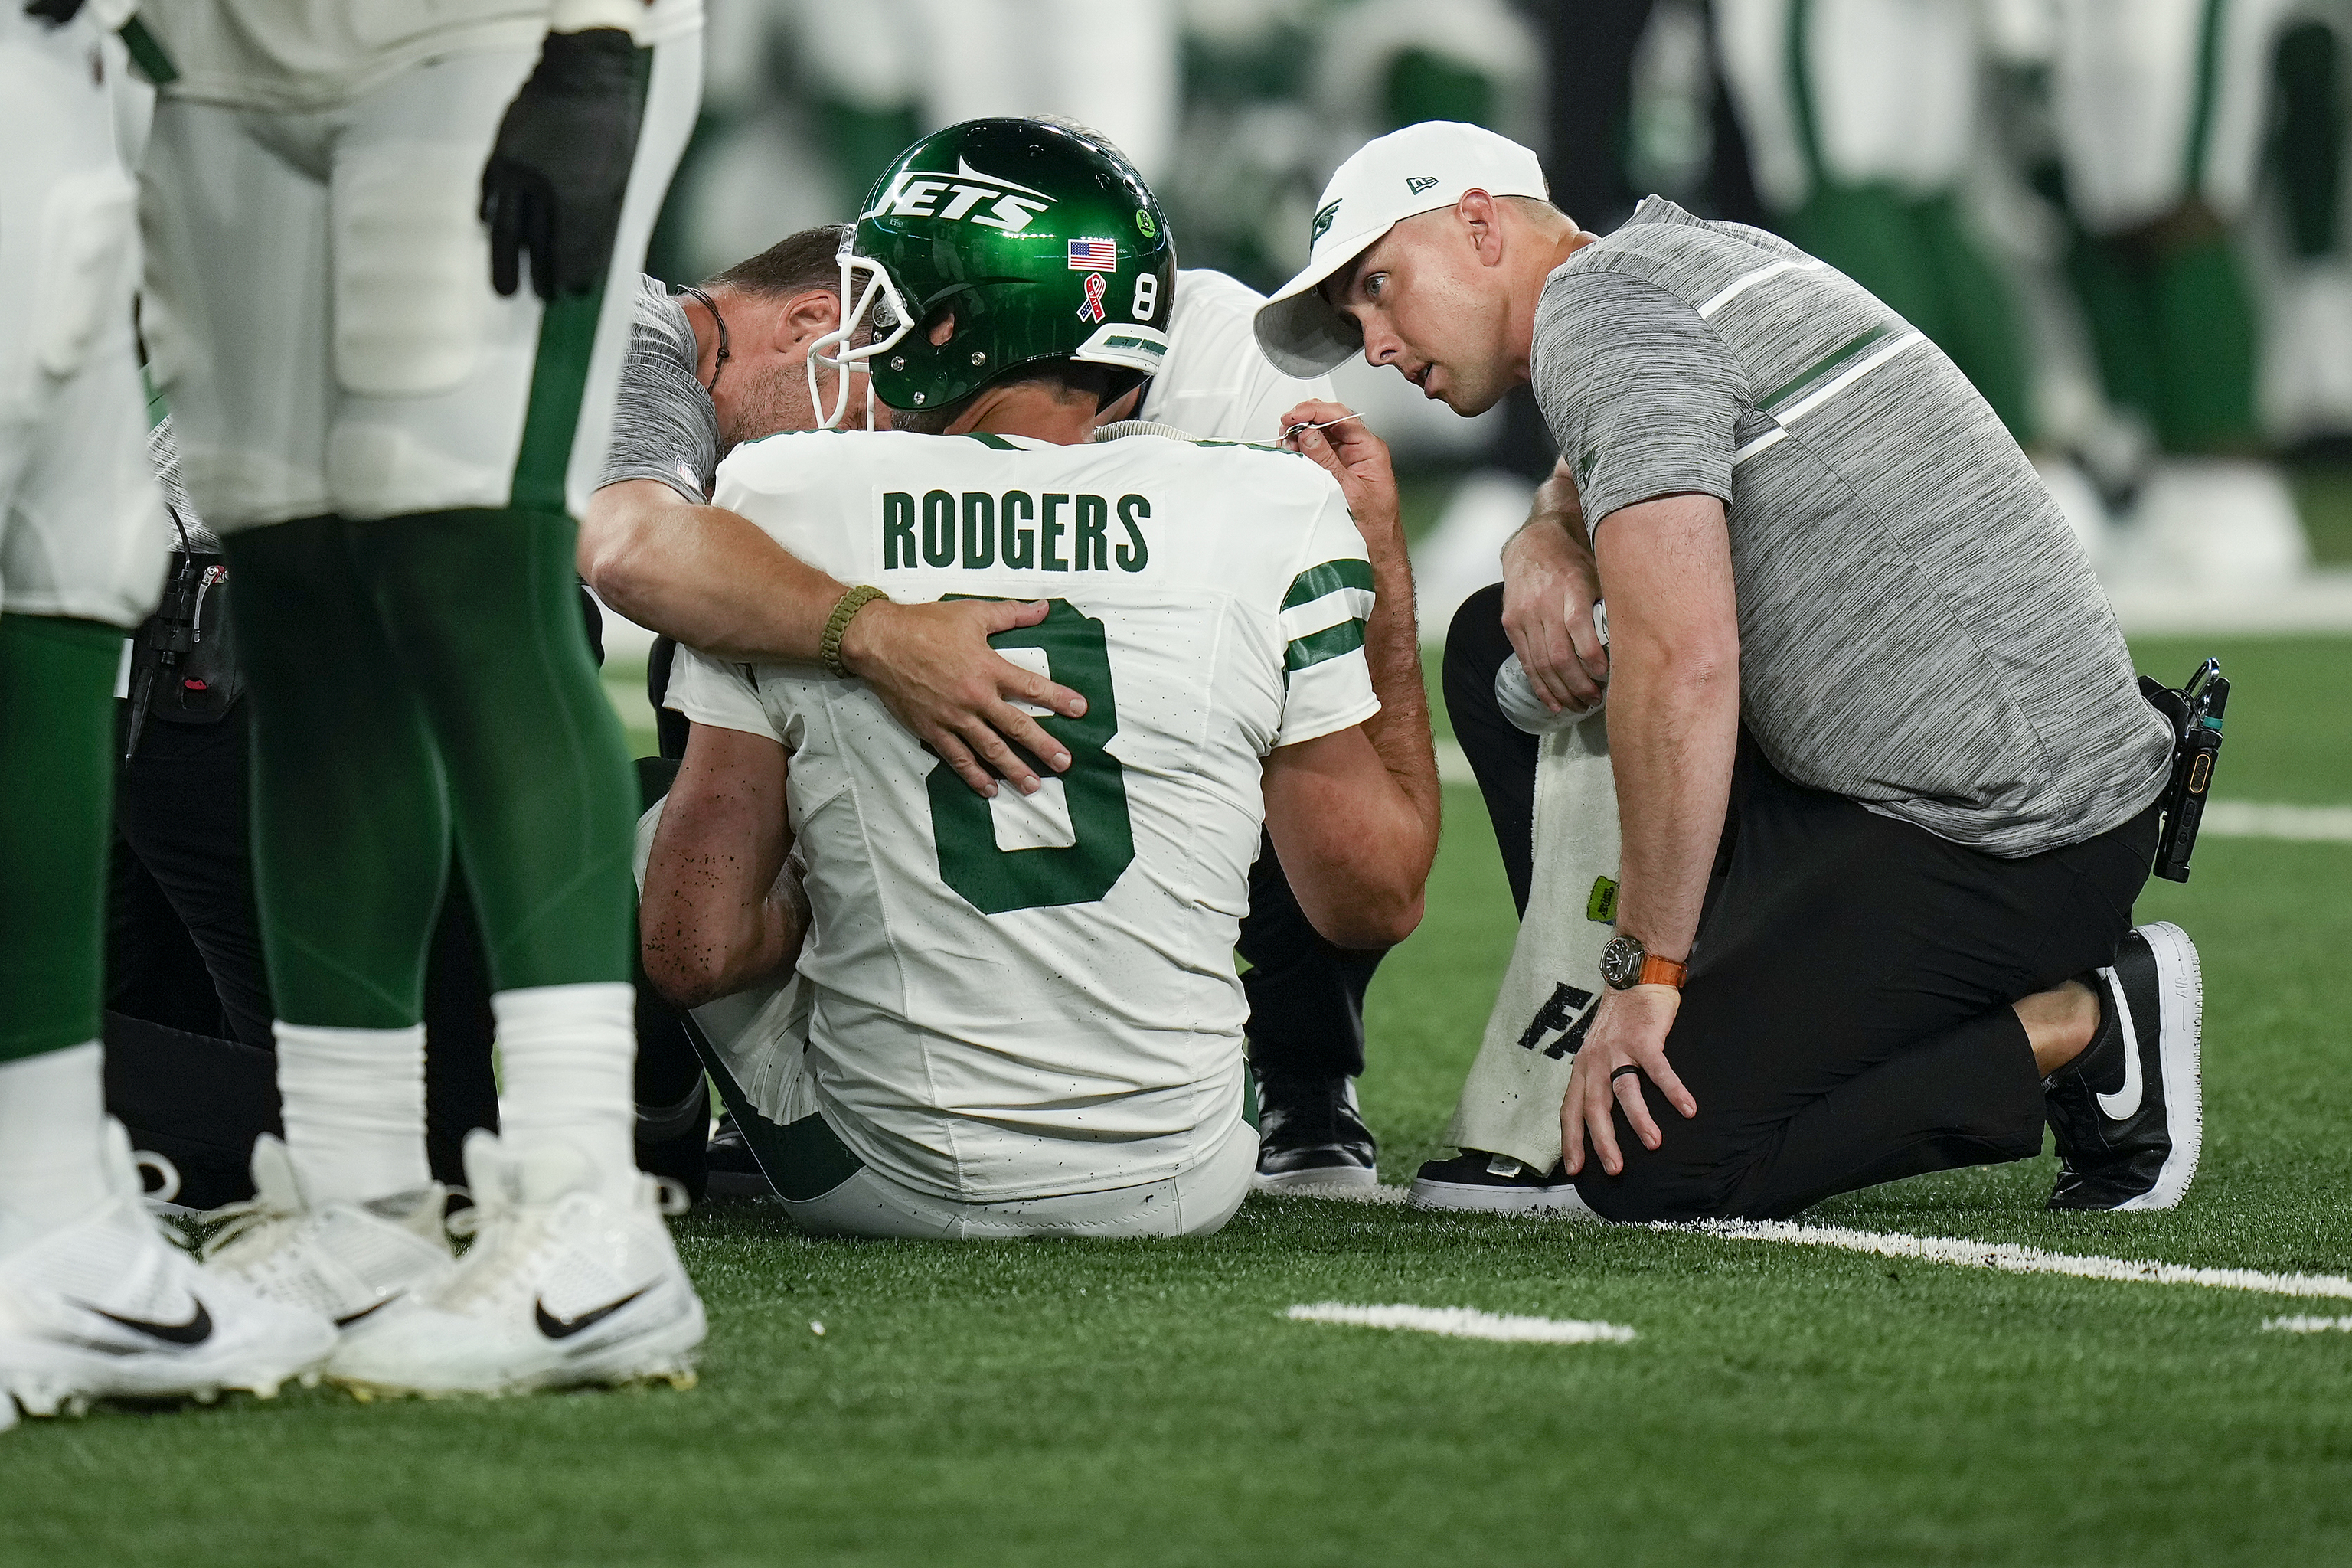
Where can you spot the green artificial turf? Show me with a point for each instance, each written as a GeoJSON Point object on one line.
{"type": "Point", "coordinates": [1148, 1403]}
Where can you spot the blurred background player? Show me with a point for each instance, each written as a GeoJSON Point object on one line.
{"type": "Point", "coordinates": [1861, 119]}
{"type": "Point", "coordinates": [389, 431]}
{"type": "Point", "coordinates": [93, 1301]}
{"type": "Point", "coordinates": [2161, 110]}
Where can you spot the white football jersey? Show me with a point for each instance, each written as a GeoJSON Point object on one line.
{"type": "Point", "coordinates": [1026, 997]}
{"type": "Point", "coordinates": [1216, 382]}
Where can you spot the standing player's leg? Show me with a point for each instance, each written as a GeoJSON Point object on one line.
{"type": "Point", "coordinates": [346, 790]}
{"type": "Point", "coordinates": [2160, 108]}
{"type": "Point", "coordinates": [93, 1301]}
{"type": "Point", "coordinates": [478, 605]}
{"type": "Point", "coordinates": [393, 655]}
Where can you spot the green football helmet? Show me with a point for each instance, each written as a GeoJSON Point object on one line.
{"type": "Point", "coordinates": [1039, 236]}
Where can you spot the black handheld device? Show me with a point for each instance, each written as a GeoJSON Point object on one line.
{"type": "Point", "coordinates": [2195, 713]}
{"type": "Point", "coordinates": [183, 660]}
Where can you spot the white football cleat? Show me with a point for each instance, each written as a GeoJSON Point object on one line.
{"type": "Point", "coordinates": [107, 1306]}
{"type": "Point", "coordinates": [563, 1286]}
{"type": "Point", "coordinates": [342, 1261]}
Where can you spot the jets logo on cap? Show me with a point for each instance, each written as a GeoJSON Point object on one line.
{"type": "Point", "coordinates": [1420, 183]}
{"type": "Point", "coordinates": [915, 193]}
{"type": "Point", "coordinates": [1322, 226]}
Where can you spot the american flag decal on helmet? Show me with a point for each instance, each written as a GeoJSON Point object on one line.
{"type": "Point", "coordinates": [1093, 255]}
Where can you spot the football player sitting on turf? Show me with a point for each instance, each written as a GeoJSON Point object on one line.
{"type": "Point", "coordinates": [971, 1016]}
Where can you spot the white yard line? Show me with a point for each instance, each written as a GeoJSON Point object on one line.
{"type": "Point", "coordinates": [1465, 1323]}
{"type": "Point", "coordinates": [2224, 818]}
{"type": "Point", "coordinates": [2301, 823]}
{"type": "Point", "coordinates": [2008, 1257]}
{"type": "Point", "coordinates": [2310, 1325]}
{"type": "Point", "coordinates": [2000, 1257]}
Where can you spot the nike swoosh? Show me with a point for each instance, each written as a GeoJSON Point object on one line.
{"type": "Point", "coordinates": [195, 1331]}
{"type": "Point", "coordinates": [556, 1328]}
{"type": "Point", "coordinates": [348, 1319]}
{"type": "Point", "coordinates": [2124, 1103]}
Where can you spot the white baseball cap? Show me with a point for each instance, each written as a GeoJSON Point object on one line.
{"type": "Point", "coordinates": [1388, 179]}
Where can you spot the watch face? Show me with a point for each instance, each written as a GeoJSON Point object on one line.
{"type": "Point", "coordinates": [1621, 961]}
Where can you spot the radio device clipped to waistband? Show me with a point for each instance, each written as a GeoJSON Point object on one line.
{"type": "Point", "coordinates": [2195, 714]}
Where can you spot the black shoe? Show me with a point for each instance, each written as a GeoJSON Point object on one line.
{"type": "Point", "coordinates": [734, 1174]}
{"type": "Point", "coordinates": [2129, 1112]}
{"type": "Point", "coordinates": [670, 1140]}
{"type": "Point", "coordinates": [1309, 1134]}
{"type": "Point", "coordinates": [1474, 1182]}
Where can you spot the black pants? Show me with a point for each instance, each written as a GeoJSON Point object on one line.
{"type": "Point", "coordinates": [184, 939]}
{"type": "Point", "coordinates": [1306, 993]}
{"type": "Point", "coordinates": [191, 1069]}
{"type": "Point", "coordinates": [1847, 1017]}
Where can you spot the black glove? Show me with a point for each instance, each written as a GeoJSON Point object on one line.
{"type": "Point", "coordinates": [561, 166]}
{"type": "Point", "coordinates": [57, 11]}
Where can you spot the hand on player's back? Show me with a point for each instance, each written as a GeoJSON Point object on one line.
{"type": "Point", "coordinates": [934, 669]}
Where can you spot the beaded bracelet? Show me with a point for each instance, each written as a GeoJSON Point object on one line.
{"type": "Point", "coordinates": [844, 610]}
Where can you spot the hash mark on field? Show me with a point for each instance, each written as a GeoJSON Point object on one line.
{"type": "Point", "coordinates": [2310, 1325]}
{"type": "Point", "coordinates": [2008, 1257]}
{"type": "Point", "coordinates": [1465, 1323]}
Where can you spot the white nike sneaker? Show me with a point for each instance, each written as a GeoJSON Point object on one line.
{"type": "Point", "coordinates": [107, 1306]}
{"type": "Point", "coordinates": [563, 1286]}
{"type": "Point", "coordinates": [343, 1261]}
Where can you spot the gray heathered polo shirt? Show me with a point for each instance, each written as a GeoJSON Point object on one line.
{"type": "Point", "coordinates": [664, 427]}
{"type": "Point", "coordinates": [1919, 629]}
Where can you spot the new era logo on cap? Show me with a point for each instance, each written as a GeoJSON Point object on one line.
{"type": "Point", "coordinates": [1420, 183]}
{"type": "Point", "coordinates": [1093, 255]}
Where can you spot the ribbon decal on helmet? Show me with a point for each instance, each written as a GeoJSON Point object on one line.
{"type": "Point", "coordinates": [1092, 310]}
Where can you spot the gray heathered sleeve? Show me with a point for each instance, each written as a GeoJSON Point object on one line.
{"type": "Point", "coordinates": [664, 427]}
{"type": "Point", "coordinates": [1639, 392]}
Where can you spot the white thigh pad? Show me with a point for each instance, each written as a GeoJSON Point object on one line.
{"type": "Point", "coordinates": [412, 267]}
{"type": "Point", "coordinates": [89, 223]}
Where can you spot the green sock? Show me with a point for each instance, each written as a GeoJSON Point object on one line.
{"type": "Point", "coordinates": [2206, 363]}
{"type": "Point", "coordinates": [411, 678]}
{"type": "Point", "coordinates": [57, 794]}
{"type": "Point", "coordinates": [351, 824]}
{"type": "Point", "coordinates": [485, 607]}
{"type": "Point", "coordinates": [2120, 308]}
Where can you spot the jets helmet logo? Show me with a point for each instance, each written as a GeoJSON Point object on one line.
{"type": "Point", "coordinates": [1420, 183]}
{"type": "Point", "coordinates": [1322, 226]}
{"type": "Point", "coordinates": [967, 197]}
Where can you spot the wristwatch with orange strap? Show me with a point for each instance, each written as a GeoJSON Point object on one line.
{"type": "Point", "coordinates": [1625, 963]}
